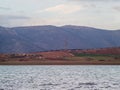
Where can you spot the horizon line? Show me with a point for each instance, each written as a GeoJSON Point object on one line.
{"type": "Point", "coordinates": [59, 26]}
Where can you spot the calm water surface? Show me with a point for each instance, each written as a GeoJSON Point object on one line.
{"type": "Point", "coordinates": [59, 77]}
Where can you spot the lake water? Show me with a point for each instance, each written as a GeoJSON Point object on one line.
{"type": "Point", "coordinates": [60, 77]}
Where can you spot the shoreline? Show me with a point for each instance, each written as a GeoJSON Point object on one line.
{"type": "Point", "coordinates": [58, 62]}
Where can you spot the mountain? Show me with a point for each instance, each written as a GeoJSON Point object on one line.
{"type": "Point", "coordinates": [43, 38]}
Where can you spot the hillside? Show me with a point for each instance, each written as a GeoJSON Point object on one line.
{"type": "Point", "coordinates": [44, 38]}
{"type": "Point", "coordinates": [103, 51]}
{"type": "Point", "coordinates": [105, 56]}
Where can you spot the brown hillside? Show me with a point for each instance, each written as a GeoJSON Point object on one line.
{"type": "Point", "coordinates": [56, 54]}
{"type": "Point", "coordinates": [115, 51]}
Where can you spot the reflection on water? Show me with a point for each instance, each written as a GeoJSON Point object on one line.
{"type": "Point", "coordinates": [59, 77]}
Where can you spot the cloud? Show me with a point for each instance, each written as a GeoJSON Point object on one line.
{"type": "Point", "coordinates": [117, 8]}
{"type": "Point", "coordinates": [4, 8]}
{"type": "Point", "coordinates": [64, 8]}
{"type": "Point", "coordinates": [11, 20]}
{"type": "Point", "coordinates": [13, 17]}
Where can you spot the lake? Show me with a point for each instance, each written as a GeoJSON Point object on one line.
{"type": "Point", "coordinates": [79, 77]}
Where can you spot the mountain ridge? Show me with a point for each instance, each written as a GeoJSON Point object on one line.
{"type": "Point", "coordinates": [76, 26]}
{"type": "Point", "coordinates": [49, 37]}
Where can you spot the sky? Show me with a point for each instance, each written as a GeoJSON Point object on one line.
{"type": "Point", "coordinates": [104, 14]}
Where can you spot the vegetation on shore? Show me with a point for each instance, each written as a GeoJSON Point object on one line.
{"type": "Point", "coordinates": [62, 57]}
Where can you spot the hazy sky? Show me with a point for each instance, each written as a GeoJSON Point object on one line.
{"type": "Point", "coordinates": [94, 13]}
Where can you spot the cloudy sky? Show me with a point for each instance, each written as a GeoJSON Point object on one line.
{"type": "Point", "coordinates": [95, 13]}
